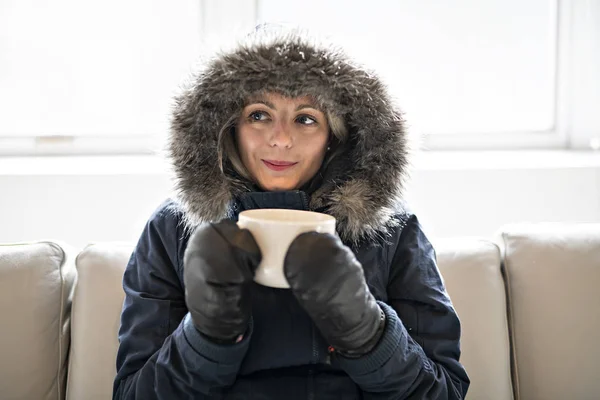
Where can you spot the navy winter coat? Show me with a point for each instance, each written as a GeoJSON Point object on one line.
{"type": "Point", "coordinates": [283, 356]}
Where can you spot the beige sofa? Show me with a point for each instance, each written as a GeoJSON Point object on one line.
{"type": "Point", "coordinates": [529, 301]}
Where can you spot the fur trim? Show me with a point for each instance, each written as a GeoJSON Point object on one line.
{"type": "Point", "coordinates": [362, 187]}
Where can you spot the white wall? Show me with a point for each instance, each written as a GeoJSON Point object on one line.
{"type": "Point", "coordinates": [81, 200]}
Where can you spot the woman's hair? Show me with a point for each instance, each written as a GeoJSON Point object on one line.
{"type": "Point", "coordinates": [228, 151]}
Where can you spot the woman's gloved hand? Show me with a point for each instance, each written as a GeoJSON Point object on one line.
{"type": "Point", "coordinates": [219, 264]}
{"type": "Point", "coordinates": [328, 282]}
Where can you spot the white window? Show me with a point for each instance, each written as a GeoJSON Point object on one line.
{"type": "Point", "coordinates": [468, 73]}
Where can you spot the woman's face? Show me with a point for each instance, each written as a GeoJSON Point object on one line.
{"type": "Point", "coordinates": [282, 141]}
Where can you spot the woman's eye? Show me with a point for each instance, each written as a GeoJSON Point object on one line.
{"type": "Point", "coordinates": [306, 120]}
{"type": "Point", "coordinates": [258, 116]}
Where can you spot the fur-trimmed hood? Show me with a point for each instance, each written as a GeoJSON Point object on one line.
{"type": "Point", "coordinates": [361, 188]}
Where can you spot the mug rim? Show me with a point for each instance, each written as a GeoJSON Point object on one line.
{"type": "Point", "coordinates": [257, 215]}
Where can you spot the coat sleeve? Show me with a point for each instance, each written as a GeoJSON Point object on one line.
{"type": "Point", "coordinates": [161, 355]}
{"type": "Point", "coordinates": [418, 354]}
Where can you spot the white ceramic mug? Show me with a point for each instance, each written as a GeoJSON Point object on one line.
{"type": "Point", "coordinates": [274, 230]}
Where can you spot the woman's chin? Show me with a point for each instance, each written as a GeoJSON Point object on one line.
{"type": "Point", "coordinates": [278, 186]}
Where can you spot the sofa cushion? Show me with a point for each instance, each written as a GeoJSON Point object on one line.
{"type": "Point", "coordinates": [36, 286]}
{"type": "Point", "coordinates": [471, 271]}
{"type": "Point", "coordinates": [553, 278]}
{"type": "Point", "coordinates": [95, 320]}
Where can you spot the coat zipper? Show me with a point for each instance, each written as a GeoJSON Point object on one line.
{"type": "Point", "coordinates": [315, 347]}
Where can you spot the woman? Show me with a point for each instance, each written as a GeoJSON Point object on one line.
{"type": "Point", "coordinates": [281, 122]}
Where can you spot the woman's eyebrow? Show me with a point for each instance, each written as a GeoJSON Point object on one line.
{"type": "Point", "coordinates": [265, 102]}
{"type": "Point", "coordinates": [301, 106]}
{"type": "Point", "coordinates": [272, 106]}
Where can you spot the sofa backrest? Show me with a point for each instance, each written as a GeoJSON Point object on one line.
{"type": "Point", "coordinates": [95, 321]}
{"type": "Point", "coordinates": [549, 274]}
{"type": "Point", "coordinates": [472, 273]}
{"type": "Point", "coordinates": [553, 278]}
{"type": "Point", "coordinates": [36, 286]}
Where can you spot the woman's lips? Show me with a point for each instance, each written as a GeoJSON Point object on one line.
{"type": "Point", "coordinates": [277, 165]}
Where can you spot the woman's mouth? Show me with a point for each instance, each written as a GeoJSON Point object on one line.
{"type": "Point", "coordinates": [277, 165]}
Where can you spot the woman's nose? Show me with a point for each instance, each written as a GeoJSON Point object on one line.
{"type": "Point", "coordinates": [280, 136]}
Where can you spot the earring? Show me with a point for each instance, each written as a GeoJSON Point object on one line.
{"type": "Point", "coordinates": [328, 148]}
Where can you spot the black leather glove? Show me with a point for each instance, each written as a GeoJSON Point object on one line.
{"type": "Point", "coordinates": [219, 264]}
{"type": "Point", "coordinates": [329, 283]}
